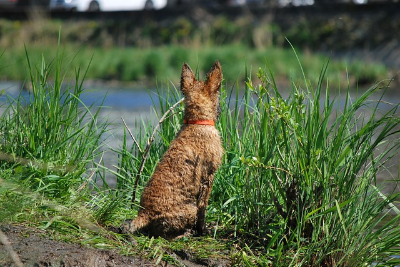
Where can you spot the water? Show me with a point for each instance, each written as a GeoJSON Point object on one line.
{"type": "Point", "coordinates": [119, 98]}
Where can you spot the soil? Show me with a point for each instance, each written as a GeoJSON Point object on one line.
{"type": "Point", "coordinates": [35, 249]}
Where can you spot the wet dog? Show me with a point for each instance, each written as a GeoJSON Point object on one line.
{"type": "Point", "coordinates": [175, 200]}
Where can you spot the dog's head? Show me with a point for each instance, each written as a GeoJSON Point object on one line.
{"type": "Point", "coordinates": [201, 98]}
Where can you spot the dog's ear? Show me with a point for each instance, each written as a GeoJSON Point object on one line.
{"type": "Point", "coordinates": [187, 78]}
{"type": "Point", "coordinates": [214, 77]}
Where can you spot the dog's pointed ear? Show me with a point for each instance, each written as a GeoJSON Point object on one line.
{"type": "Point", "coordinates": [214, 77]}
{"type": "Point", "coordinates": [187, 78]}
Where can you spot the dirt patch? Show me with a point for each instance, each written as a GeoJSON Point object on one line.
{"type": "Point", "coordinates": [36, 250]}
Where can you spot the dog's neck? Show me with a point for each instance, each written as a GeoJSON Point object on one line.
{"type": "Point", "coordinates": [199, 122]}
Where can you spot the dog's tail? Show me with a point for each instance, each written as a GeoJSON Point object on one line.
{"type": "Point", "coordinates": [137, 224]}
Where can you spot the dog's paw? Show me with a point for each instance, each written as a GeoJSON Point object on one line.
{"type": "Point", "coordinates": [126, 227]}
{"type": "Point", "coordinates": [125, 230]}
{"type": "Point", "coordinates": [115, 229]}
{"type": "Point", "coordinates": [186, 233]}
{"type": "Point", "coordinates": [205, 232]}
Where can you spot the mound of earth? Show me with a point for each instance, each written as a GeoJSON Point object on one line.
{"type": "Point", "coordinates": [35, 249]}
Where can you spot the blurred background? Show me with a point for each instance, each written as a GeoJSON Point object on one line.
{"type": "Point", "coordinates": [146, 41]}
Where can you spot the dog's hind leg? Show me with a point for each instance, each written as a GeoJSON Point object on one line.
{"type": "Point", "coordinates": [202, 202]}
{"type": "Point", "coordinates": [137, 224]}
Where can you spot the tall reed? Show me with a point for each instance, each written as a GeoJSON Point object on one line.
{"type": "Point", "coordinates": [50, 136]}
{"type": "Point", "coordinates": [300, 173]}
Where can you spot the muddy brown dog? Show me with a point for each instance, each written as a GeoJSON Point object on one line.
{"type": "Point", "coordinates": [175, 199]}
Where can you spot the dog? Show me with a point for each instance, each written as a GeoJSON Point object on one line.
{"type": "Point", "coordinates": [175, 199]}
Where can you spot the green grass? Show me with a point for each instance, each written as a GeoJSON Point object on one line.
{"type": "Point", "coordinates": [49, 138]}
{"type": "Point", "coordinates": [297, 186]}
{"type": "Point", "coordinates": [163, 63]}
{"type": "Point", "coordinates": [149, 51]}
{"type": "Point", "coordinates": [301, 172]}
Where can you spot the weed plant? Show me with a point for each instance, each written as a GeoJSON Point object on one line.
{"type": "Point", "coordinates": [49, 137]}
{"type": "Point", "coordinates": [268, 31]}
{"type": "Point", "coordinates": [298, 185]}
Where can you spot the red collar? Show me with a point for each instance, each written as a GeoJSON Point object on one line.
{"type": "Point", "coordinates": [199, 122]}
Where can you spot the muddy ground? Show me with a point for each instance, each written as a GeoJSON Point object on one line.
{"type": "Point", "coordinates": [34, 248]}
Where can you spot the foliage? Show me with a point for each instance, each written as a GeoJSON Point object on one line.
{"type": "Point", "coordinates": [48, 135]}
{"type": "Point", "coordinates": [300, 174]}
{"type": "Point", "coordinates": [253, 30]}
{"type": "Point", "coordinates": [164, 63]}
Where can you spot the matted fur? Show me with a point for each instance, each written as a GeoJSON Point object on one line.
{"type": "Point", "coordinates": [176, 196]}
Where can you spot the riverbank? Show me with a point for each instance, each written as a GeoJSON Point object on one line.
{"type": "Point", "coordinates": [147, 67]}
